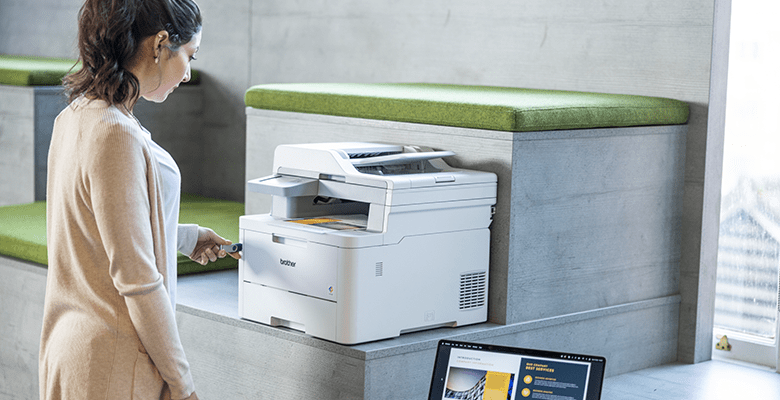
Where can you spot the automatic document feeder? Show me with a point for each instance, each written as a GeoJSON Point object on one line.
{"type": "Point", "coordinates": [366, 241]}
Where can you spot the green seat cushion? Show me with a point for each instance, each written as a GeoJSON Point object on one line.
{"type": "Point", "coordinates": [23, 229]}
{"type": "Point", "coordinates": [23, 232]}
{"type": "Point", "coordinates": [43, 71]}
{"type": "Point", "coordinates": [480, 107]}
{"type": "Point", "coordinates": [34, 71]}
{"type": "Point", "coordinates": [219, 215]}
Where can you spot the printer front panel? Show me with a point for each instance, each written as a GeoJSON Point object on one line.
{"type": "Point", "coordinates": [290, 263]}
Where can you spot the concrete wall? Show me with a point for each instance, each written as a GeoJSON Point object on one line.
{"type": "Point", "coordinates": [661, 47]}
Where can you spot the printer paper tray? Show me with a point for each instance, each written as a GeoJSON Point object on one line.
{"type": "Point", "coordinates": [287, 186]}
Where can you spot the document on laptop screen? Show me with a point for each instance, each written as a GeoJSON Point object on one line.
{"type": "Point", "coordinates": [472, 374]}
{"type": "Point", "coordinates": [481, 372]}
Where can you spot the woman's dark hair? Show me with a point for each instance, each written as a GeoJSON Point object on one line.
{"type": "Point", "coordinates": [110, 33]}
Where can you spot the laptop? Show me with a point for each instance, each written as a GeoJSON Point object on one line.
{"type": "Point", "coordinates": [476, 371]}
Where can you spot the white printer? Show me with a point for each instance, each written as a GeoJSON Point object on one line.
{"type": "Point", "coordinates": [367, 241]}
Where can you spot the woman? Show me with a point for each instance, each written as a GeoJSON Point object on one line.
{"type": "Point", "coordinates": [109, 330]}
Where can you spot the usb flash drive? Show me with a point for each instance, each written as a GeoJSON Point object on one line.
{"type": "Point", "coordinates": [231, 248]}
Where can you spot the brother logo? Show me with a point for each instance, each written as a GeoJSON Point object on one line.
{"type": "Point", "coordinates": [287, 262]}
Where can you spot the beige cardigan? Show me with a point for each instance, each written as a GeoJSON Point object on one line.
{"type": "Point", "coordinates": [109, 330]}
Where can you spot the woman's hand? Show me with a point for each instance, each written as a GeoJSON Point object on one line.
{"type": "Point", "coordinates": [207, 249]}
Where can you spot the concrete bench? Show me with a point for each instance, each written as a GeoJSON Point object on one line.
{"type": "Point", "coordinates": [584, 178]}
{"type": "Point", "coordinates": [31, 97]}
{"type": "Point", "coordinates": [585, 240]}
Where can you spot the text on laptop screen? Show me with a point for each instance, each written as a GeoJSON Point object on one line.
{"type": "Point", "coordinates": [485, 372]}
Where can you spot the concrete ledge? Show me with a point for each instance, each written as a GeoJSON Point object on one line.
{"type": "Point", "coordinates": [236, 358]}
{"type": "Point", "coordinates": [239, 359]}
{"type": "Point", "coordinates": [219, 304]}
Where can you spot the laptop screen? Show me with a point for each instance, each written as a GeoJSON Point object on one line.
{"type": "Point", "coordinates": [476, 371]}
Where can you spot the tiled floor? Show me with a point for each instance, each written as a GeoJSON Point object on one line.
{"type": "Point", "coordinates": [711, 380]}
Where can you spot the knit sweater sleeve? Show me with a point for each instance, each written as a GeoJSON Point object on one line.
{"type": "Point", "coordinates": [119, 181]}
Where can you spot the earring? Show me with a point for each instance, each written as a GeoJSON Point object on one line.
{"type": "Point", "coordinates": [156, 60]}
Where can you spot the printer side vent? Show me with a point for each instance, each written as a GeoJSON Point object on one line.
{"type": "Point", "coordinates": [379, 268]}
{"type": "Point", "coordinates": [472, 290]}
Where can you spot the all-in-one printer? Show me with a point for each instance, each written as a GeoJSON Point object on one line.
{"type": "Point", "coordinates": [366, 241]}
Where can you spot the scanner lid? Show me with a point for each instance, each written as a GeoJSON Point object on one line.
{"type": "Point", "coordinates": [369, 164]}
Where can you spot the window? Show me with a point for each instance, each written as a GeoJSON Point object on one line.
{"type": "Point", "coordinates": [746, 294]}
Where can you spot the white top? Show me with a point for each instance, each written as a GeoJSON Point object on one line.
{"type": "Point", "coordinates": [177, 237]}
